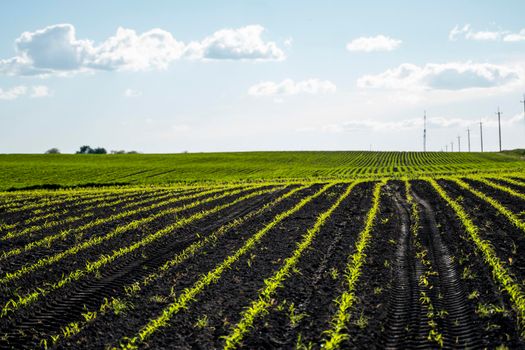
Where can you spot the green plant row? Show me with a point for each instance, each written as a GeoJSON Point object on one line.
{"type": "Point", "coordinates": [120, 215]}
{"type": "Point", "coordinates": [188, 295]}
{"type": "Point", "coordinates": [27, 201]}
{"type": "Point", "coordinates": [134, 288]}
{"type": "Point", "coordinates": [47, 202]}
{"type": "Point", "coordinates": [499, 272]}
{"type": "Point", "coordinates": [511, 181]}
{"type": "Point", "coordinates": [513, 218]}
{"type": "Point", "coordinates": [82, 230]}
{"type": "Point", "coordinates": [262, 303]}
{"type": "Point", "coordinates": [77, 203]}
{"type": "Point", "coordinates": [87, 213]}
{"type": "Point", "coordinates": [336, 334]}
{"type": "Point", "coordinates": [92, 267]}
{"type": "Point", "coordinates": [500, 187]}
{"type": "Point", "coordinates": [97, 240]}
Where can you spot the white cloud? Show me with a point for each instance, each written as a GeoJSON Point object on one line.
{"type": "Point", "coordinates": [245, 43]}
{"type": "Point", "coordinates": [40, 91]}
{"type": "Point", "coordinates": [374, 43]}
{"type": "Point", "coordinates": [467, 33]}
{"type": "Point", "coordinates": [56, 50]}
{"type": "Point", "coordinates": [13, 93]}
{"type": "Point", "coordinates": [447, 76]}
{"type": "Point", "coordinates": [512, 37]}
{"type": "Point", "coordinates": [127, 50]}
{"type": "Point", "coordinates": [132, 93]}
{"type": "Point", "coordinates": [289, 87]}
{"type": "Point", "coordinates": [21, 90]}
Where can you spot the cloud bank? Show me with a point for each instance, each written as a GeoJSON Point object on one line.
{"type": "Point", "coordinates": [466, 32]}
{"type": "Point", "coordinates": [447, 76]}
{"type": "Point", "coordinates": [57, 50]}
{"type": "Point", "coordinates": [413, 124]}
{"type": "Point", "coordinates": [21, 90]}
{"type": "Point", "coordinates": [289, 87]}
{"type": "Point", "coordinates": [374, 43]}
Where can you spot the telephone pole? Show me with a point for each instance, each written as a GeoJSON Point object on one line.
{"type": "Point", "coordinates": [452, 146]}
{"type": "Point", "coordinates": [481, 134]}
{"type": "Point", "coordinates": [459, 143]}
{"type": "Point", "coordinates": [523, 106]}
{"type": "Point", "coordinates": [424, 131]}
{"type": "Point", "coordinates": [499, 128]}
{"type": "Point", "coordinates": [468, 136]}
{"type": "Point", "coordinates": [446, 148]}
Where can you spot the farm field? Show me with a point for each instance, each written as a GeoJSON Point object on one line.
{"type": "Point", "coordinates": [366, 261]}
{"type": "Point", "coordinates": [62, 170]}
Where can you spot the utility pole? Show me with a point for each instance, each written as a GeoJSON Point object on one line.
{"type": "Point", "coordinates": [459, 143]}
{"type": "Point", "coordinates": [499, 128]}
{"type": "Point", "coordinates": [523, 106]}
{"type": "Point", "coordinates": [446, 148]}
{"type": "Point", "coordinates": [468, 136]}
{"type": "Point", "coordinates": [481, 134]}
{"type": "Point", "coordinates": [452, 146]}
{"type": "Point", "coordinates": [424, 131]}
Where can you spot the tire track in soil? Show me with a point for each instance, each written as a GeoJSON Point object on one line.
{"type": "Point", "coordinates": [407, 325]}
{"type": "Point", "coordinates": [457, 327]}
{"type": "Point", "coordinates": [496, 328]}
{"type": "Point", "coordinates": [405, 308]}
{"type": "Point", "coordinates": [53, 314]}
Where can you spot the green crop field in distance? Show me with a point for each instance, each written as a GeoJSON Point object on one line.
{"type": "Point", "coordinates": [23, 171]}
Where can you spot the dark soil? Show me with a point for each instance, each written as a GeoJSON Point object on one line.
{"type": "Point", "coordinates": [65, 305]}
{"type": "Point", "coordinates": [508, 240]}
{"type": "Point", "coordinates": [223, 301]}
{"type": "Point", "coordinates": [472, 311]}
{"type": "Point", "coordinates": [496, 328]}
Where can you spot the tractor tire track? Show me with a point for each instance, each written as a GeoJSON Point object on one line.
{"type": "Point", "coordinates": [408, 326]}
{"type": "Point", "coordinates": [458, 327]}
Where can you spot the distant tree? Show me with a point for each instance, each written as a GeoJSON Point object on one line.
{"type": "Point", "coordinates": [85, 150]}
{"type": "Point", "coordinates": [117, 152]}
{"type": "Point", "coordinates": [89, 150]}
{"type": "Point", "coordinates": [99, 150]}
{"type": "Point", "coordinates": [53, 151]}
{"type": "Point", "coordinates": [133, 152]}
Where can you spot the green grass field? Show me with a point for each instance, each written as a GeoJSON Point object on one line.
{"type": "Point", "coordinates": [22, 171]}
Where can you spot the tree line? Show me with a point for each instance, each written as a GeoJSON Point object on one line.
{"type": "Point", "coordinates": [89, 150]}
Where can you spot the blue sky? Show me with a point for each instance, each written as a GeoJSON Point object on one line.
{"type": "Point", "coordinates": [259, 75]}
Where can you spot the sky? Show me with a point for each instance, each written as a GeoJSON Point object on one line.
{"type": "Point", "coordinates": [209, 76]}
